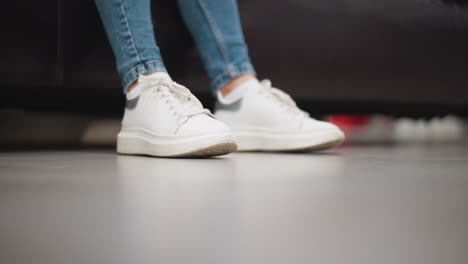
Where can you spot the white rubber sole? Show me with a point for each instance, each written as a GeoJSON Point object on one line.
{"type": "Point", "coordinates": [142, 142]}
{"type": "Point", "coordinates": [274, 141]}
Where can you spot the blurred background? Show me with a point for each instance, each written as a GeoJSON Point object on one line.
{"type": "Point", "coordinates": [386, 71]}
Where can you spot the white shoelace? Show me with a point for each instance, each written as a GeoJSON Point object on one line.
{"type": "Point", "coordinates": [189, 104]}
{"type": "Point", "coordinates": [282, 97]}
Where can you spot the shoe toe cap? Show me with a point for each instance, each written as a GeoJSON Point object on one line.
{"type": "Point", "coordinates": [202, 124]}
{"type": "Point", "coordinates": [312, 125]}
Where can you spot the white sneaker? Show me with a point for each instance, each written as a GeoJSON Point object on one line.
{"type": "Point", "coordinates": [267, 119]}
{"type": "Point", "coordinates": [166, 120]}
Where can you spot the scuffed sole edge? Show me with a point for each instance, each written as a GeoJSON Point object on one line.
{"type": "Point", "coordinates": [208, 152]}
{"type": "Point", "coordinates": [212, 151]}
{"type": "Point", "coordinates": [140, 142]}
{"type": "Point", "coordinates": [324, 146]}
{"type": "Point", "coordinates": [335, 140]}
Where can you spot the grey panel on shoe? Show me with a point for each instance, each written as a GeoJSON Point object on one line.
{"type": "Point", "coordinates": [131, 104]}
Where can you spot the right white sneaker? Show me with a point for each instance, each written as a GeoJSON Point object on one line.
{"type": "Point", "coordinates": [267, 119]}
{"type": "Point", "coordinates": [166, 120]}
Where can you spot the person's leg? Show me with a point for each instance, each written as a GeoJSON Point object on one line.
{"type": "Point", "coordinates": [129, 27]}
{"type": "Point", "coordinates": [216, 28]}
{"type": "Point", "coordinates": [161, 118]}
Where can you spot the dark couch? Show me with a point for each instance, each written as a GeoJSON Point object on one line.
{"type": "Point", "coordinates": [394, 56]}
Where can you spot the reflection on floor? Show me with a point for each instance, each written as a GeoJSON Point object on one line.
{"type": "Point", "coordinates": [368, 204]}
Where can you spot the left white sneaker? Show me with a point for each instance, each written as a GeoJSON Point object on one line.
{"type": "Point", "coordinates": [268, 119]}
{"type": "Point", "coordinates": [166, 120]}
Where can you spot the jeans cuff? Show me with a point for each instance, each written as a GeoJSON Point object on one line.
{"type": "Point", "coordinates": [142, 68]}
{"type": "Point", "coordinates": [233, 72]}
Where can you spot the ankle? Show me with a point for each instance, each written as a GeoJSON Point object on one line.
{"type": "Point", "coordinates": [234, 83]}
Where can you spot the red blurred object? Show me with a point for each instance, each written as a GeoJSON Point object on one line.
{"type": "Point", "coordinates": [364, 128]}
{"type": "Point", "coordinates": [347, 122]}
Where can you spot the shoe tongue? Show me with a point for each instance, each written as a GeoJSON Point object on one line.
{"type": "Point", "coordinates": [186, 101]}
{"type": "Point", "coordinates": [282, 97]}
{"type": "Point", "coordinates": [144, 82]}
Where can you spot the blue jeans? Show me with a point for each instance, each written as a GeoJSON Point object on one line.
{"type": "Point", "coordinates": [214, 25]}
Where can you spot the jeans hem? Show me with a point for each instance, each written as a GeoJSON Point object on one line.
{"type": "Point", "coordinates": [233, 72]}
{"type": "Point", "coordinates": [142, 68]}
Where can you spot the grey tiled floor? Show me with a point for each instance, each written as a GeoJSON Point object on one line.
{"type": "Point", "coordinates": [369, 204]}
